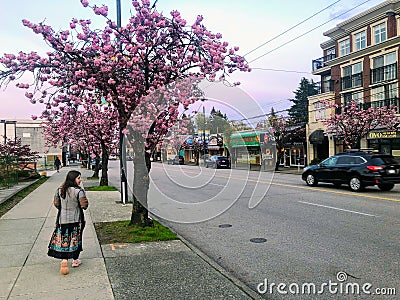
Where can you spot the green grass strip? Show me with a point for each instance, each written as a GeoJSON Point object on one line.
{"type": "Point", "coordinates": [14, 200]}
{"type": "Point", "coordinates": [102, 188]}
{"type": "Point", "coordinates": [122, 232]}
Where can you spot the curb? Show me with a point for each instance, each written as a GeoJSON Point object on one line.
{"type": "Point", "coordinates": [17, 191]}
{"type": "Point", "coordinates": [252, 294]}
{"type": "Point", "coordinates": [247, 290]}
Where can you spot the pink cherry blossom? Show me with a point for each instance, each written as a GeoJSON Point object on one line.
{"type": "Point", "coordinates": [143, 86]}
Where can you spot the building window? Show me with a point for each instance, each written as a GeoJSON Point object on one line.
{"type": "Point", "coordinates": [330, 54]}
{"type": "Point", "coordinates": [352, 76]}
{"type": "Point", "coordinates": [326, 84]}
{"type": "Point", "coordinates": [384, 67]}
{"type": "Point", "coordinates": [381, 93]}
{"type": "Point", "coordinates": [344, 47]}
{"type": "Point", "coordinates": [353, 97]}
{"type": "Point", "coordinates": [360, 40]}
{"type": "Point", "coordinates": [379, 32]}
{"type": "Point", "coordinates": [320, 111]}
{"type": "Point", "coordinates": [385, 95]}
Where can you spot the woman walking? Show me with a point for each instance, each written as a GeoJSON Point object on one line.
{"type": "Point", "coordinates": [57, 164]}
{"type": "Point", "coordinates": [66, 241]}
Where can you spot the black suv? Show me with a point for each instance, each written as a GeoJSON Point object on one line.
{"type": "Point", "coordinates": [356, 168]}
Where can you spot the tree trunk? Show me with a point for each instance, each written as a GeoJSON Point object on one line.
{"type": "Point", "coordinates": [104, 166]}
{"type": "Point", "coordinates": [141, 182]}
{"type": "Point", "coordinates": [278, 159]}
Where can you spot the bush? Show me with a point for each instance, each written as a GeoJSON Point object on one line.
{"type": "Point", "coordinates": [28, 174]}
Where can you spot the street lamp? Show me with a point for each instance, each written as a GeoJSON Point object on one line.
{"type": "Point", "coordinates": [204, 131]}
{"type": "Point", "coordinates": [122, 145]}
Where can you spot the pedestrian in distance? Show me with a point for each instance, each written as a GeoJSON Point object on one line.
{"type": "Point", "coordinates": [57, 164]}
{"type": "Point", "coordinates": [66, 240]}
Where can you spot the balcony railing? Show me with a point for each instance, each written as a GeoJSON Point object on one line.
{"type": "Point", "coordinates": [320, 62]}
{"type": "Point", "coordinates": [386, 102]}
{"type": "Point", "coordinates": [384, 73]}
{"type": "Point", "coordinates": [324, 86]}
{"type": "Point", "coordinates": [375, 104]}
{"type": "Point", "coordinates": [351, 81]}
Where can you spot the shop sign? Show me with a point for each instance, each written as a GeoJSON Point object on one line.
{"type": "Point", "coordinates": [382, 135]}
{"type": "Point", "coordinates": [252, 140]}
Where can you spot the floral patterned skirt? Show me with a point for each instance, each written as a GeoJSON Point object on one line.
{"type": "Point", "coordinates": [66, 241]}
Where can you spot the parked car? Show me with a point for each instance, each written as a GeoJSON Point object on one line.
{"type": "Point", "coordinates": [356, 168]}
{"type": "Point", "coordinates": [176, 160]}
{"type": "Point", "coordinates": [112, 157]}
{"type": "Point", "coordinates": [217, 162]}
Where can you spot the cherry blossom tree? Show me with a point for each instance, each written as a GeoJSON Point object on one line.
{"type": "Point", "coordinates": [353, 121]}
{"type": "Point", "coordinates": [154, 118]}
{"type": "Point", "coordinates": [92, 129]}
{"type": "Point", "coordinates": [13, 153]}
{"type": "Point", "coordinates": [284, 131]}
{"type": "Point", "coordinates": [16, 148]}
{"type": "Point", "coordinates": [124, 65]}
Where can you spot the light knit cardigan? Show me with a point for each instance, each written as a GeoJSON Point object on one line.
{"type": "Point", "coordinates": [75, 199]}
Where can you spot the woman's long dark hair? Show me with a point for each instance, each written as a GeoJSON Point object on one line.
{"type": "Point", "coordinates": [69, 182]}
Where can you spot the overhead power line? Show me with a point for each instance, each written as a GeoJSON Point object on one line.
{"type": "Point", "coordinates": [308, 31]}
{"type": "Point", "coordinates": [287, 30]}
{"type": "Point", "coordinates": [260, 116]}
{"type": "Point", "coordinates": [154, 5]}
{"type": "Point", "coordinates": [326, 99]}
{"type": "Point", "coordinates": [279, 70]}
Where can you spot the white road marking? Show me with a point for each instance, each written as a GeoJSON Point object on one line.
{"type": "Point", "coordinates": [217, 184]}
{"type": "Point", "coordinates": [341, 209]}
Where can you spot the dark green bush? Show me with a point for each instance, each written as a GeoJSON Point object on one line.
{"type": "Point", "coordinates": [24, 174]}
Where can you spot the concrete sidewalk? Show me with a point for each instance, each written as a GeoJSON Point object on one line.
{"type": "Point", "coordinates": [26, 270]}
{"type": "Point", "coordinates": [164, 270]}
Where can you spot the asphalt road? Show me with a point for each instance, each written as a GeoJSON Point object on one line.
{"type": "Point", "coordinates": [324, 237]}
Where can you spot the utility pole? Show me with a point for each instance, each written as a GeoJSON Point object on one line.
{"type": "Point", "coordinates": [204, 131]}
{"type": "Point", "coordinates": [122, 146]}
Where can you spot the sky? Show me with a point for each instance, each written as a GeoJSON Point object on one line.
{"type": "Point", "coordinates": [277, 66]}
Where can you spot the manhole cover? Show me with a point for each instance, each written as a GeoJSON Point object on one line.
{"type": "Point", "coordinates": [225, 225]}
{"type": "Point", "coordinates": [258, 240]}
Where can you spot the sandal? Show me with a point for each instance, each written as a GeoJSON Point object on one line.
{"type": "Point", "coordinates": [64, 267]}
{"type": "Point", "coordinates": [76, 263]}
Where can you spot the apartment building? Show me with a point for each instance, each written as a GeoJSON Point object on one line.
{"type": "Point", "coordinates": [359, 63]}
{"type": "Point", "coordinates": [30, 133]}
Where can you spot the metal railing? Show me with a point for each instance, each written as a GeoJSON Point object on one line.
{"type": "Point", "coordinates": [375, 104]}
{"type": "Point", "coordinates": [384, 73]}
{"type": "Point", "coordinates": [382, 103]}
{"type": "Point", "coordinates": [320, 62]}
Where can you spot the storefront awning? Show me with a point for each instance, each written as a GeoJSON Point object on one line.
{"type": "Point", "coordinates": [317, 137]}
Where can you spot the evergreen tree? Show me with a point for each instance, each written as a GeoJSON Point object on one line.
{"type": "Point", "coordinates": [218, 121]}
{"type": "Point", "coordinates": [272, 112]}
{"type": "Point", "coordinates": [298, 112]}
